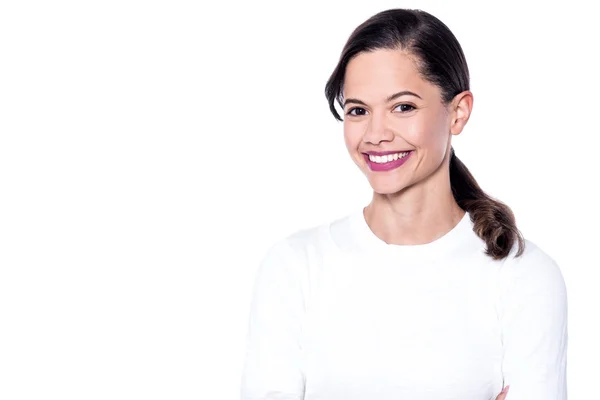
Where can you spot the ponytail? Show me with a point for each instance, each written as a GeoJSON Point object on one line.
{"type": "Point", "coordinates": [494, 222]}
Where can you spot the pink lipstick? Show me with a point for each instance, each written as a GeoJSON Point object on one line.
{"type": "Point", "coordinates": [387, 166]}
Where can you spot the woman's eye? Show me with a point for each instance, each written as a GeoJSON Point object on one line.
{"type": "Point", "coordinates": [404, 107]}
{"type": "Point", "coordinates": [356, 111]}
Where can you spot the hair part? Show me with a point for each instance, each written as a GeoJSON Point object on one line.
{"type": "Point", "coordinates": [440, 60]}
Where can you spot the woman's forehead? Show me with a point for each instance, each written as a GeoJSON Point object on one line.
{"type": "Point", "coordinates": [382, 72]}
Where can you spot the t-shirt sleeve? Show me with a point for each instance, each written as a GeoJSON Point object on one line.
{"type": "Point", "coordinates": [272, 367]}
{"type": "Point", "coordinates": [533, 320]}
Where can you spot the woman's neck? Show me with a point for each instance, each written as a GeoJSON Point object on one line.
{"type": "Point", "coordinates": [418, 215]}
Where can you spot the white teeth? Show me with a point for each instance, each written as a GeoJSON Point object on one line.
{"type": "Point", "coordinates": [387, 158]}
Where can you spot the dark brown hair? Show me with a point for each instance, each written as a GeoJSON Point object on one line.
{"type": "Point", "coordinates": [441, 61]}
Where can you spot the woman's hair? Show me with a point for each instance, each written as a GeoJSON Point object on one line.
{"type": "Point", "coordinates": [440, 60]}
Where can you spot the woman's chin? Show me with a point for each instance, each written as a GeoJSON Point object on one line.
{"type": "Point", "coordinates": [386, 187]}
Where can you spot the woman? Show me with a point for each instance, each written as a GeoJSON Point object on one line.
{"type": "Point", "coordinates": [429, 292]}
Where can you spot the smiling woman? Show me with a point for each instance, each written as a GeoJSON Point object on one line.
{"type": "Point", "coordinates": [429, 292]}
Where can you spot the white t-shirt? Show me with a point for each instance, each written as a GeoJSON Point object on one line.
{"type": "Point", "coordinates": [338, 314]}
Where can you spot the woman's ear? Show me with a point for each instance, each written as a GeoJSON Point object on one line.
{"type": "Point", "coordinates": [462, 104]}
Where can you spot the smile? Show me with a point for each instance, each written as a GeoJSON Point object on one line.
{"type": "Point", "coordinates": [386, 162]}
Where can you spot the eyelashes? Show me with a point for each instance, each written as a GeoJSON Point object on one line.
{"type": "Point", "coordinates": [353, 109]}
{"type": "Point", "coordinates": [407, 107]}
{"type": "Point", "coordinates": [360, 111]}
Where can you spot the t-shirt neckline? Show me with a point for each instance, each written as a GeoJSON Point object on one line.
{"type": "Point", "coordinates": [451, 240]}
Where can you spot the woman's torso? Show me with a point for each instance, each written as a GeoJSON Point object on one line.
{"type": "Point", "coordinates": [381, 327]}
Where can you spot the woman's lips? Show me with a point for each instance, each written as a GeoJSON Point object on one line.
{"type": "Point", "coordinates": [386, 166]}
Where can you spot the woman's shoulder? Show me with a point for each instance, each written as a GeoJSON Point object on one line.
{"type": "Point", "coordinates": [315, 238]}
{"type": "Point", "coordinates": [533, 270]}
{"type": "Point", "coordinates": [533, 257]}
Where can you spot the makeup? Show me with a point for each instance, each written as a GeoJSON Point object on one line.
{"type": "Point", "coordinates": [391, 160]}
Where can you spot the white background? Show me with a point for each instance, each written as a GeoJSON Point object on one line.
{"type": "Point", "coordinates": [151, 151]}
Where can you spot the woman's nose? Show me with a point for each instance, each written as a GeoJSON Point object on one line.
{"type": "Point", "coordinates": [377, 131]}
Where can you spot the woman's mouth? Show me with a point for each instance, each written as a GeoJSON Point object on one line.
{"type": "Point", "coordinates": [386, 162]}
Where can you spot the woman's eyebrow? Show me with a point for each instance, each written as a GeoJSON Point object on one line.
{"type": "Point", "coordinates": [402, 93]}
{"type": "Point", "coordinates": [390, 98]}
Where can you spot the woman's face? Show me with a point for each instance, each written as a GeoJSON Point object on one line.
{"type": "Point", "coordinates": [390, 109]}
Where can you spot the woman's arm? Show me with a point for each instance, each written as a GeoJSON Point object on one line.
{"type": "Point", "coordinates": [272, 365]}
{"type": "Point", "coordinates": [533, 317]}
